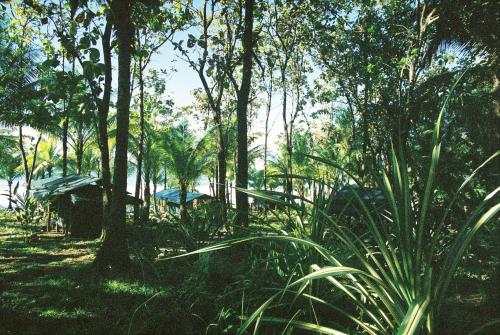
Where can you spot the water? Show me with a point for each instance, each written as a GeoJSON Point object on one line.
{"type": "Point", "coordinates": [4, 190]}
{"type": "Point", "coordinates": [202, 186]}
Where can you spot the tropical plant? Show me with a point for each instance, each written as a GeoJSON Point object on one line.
{"type": "Point", "coordinates": [396, 275]}
{"type": "Point", "coordinates": [27, 211]}
{"type": "Point", "coordinates": [185, 158]}
{"type": "Point", "coordinates": [48, 158]}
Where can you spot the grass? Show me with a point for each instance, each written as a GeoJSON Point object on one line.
{"type": "Point", "coordinates": [47, 285]}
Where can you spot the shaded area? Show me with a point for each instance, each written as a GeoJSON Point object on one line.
{"type": "Point", "coordinates": [47, 286]}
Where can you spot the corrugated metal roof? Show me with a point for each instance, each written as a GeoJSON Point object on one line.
{"type": "Point", "coordinates": [346, 200]}
{"type": "Point", "coordinates": [172, 195]}
{"type": "Point", "coordinates": [43, 188]}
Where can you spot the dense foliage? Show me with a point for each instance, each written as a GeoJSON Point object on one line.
{"type": "Point", "coordinates": [296, 104]}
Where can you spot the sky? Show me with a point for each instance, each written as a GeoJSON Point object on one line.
{"type": "Point", "coordinates": [185, 80]}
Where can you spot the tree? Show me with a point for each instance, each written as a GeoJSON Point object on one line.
{"type": "Point", "coordinates": [283, 29]}
{"type": "Point", "coordinates": [156, 28]}
{"type": "Point", "coordinates": [242, 110]}
{"type": "Point", "coordinates": [114, 250]}
{"type": "Point", "coordinates": [213, 56]}
{"type": "Point", "coordinates": [477, 34]}
{"type": "Point", "coordinates": [22, 100]}
{"type": "Point", "coordinates": [185, 158]}
{"type": "Point", "coordinates": [48, 157]}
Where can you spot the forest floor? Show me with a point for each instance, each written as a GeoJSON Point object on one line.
{"type": "Point", "coordinates": [48, 286]}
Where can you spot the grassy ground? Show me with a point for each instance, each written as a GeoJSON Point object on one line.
{"type": "Point", "coordinates": [47, 286]}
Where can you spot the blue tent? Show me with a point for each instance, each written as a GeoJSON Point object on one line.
{"type": "Point", "coordinates": [171, 195]}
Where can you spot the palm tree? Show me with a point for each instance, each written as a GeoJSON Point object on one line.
{"type": "Point", "coordinates": [185, 158]}
{"type": "Point", "coordinates": [477, 34]}
{"type": "Point", "coordinates": [91, 161]}
{"type": "Point", "coordinates": [48, 158]}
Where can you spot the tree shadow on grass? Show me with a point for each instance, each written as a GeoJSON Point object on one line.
{"type": "Point", "coordinates": [48, 286]}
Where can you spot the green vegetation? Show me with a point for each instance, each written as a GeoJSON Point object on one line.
{"type": "Point", "coordinates": [47, 283]}
{"type": "Point", "coordinates": [249, 167]}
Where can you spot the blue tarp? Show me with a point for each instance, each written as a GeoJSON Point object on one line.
{"type": "Point", "coordinates": [172, 195]}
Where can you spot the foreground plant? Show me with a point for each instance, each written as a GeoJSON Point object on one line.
{"type": "Point", "coordinates": [399, 272]}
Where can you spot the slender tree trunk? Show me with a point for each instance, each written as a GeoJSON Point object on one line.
{"type": "Point", "coordinates": [242, 112]}
{"type": "Point", "coordinates": [266, 131]}
{"type": "Point", "coordinates": [221, 163]}
{"type": "Point", "coordinates": [211, 186]}
{"type": "Point", "coordinates": [288, 180]}
{"type": "Point", "coordinates": [9, 182]}
{"type": "Point", "coordinates": [114, 253]}
{"type": "Point", "coordinates": [23, 155]}
{"type": "Point", "coordinates": [154, 196]}
{"type": "Point", "coordinates": [147, 190]}
{"type": "Point", "coordinates": [141, 138]}
{"type": "Point", "coordinates": [65, 127]}
{"type": "Point", "coordinates": [216, 177]}
{"type": "Point", "coordinates": [79, 158]}
{"type": "Point", "coordinates": [164, 177]}
{"type": "Point", "coordinates": [182, 202]}
{"type": "Point", "coordinates": [33, 164]}
{"type": "Point", "coordinates": [102, 121]}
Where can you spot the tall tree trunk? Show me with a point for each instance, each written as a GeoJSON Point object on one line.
{"type": "Point", "coordinates": [65, 127]}
{"type": "Point", "coordinates": [114, 253]}
{"type": "Point", "coordinates": [165, 176]}
{"type": "Point", "coordinates": [79, 156]}
{"type": "Point", "coordinates": [28, 173]}
{"type": "Point", "coordinates": [211, 186]}
{"type": "Point", "coordinates": [140, 150]}
{"type": "Point", "coordinates": [147, 190]}
{"type": "Point", "coordinates": [33, 164]}
{"type": "Point", "coordinates": [288, 180]}
{"type": "Point", "coordinates": [242, 111]}
{"type": "Point", "coordinates": [216, 177]}
{"type": "Point", "coordinates": [221, 166]}
{"type": "Point", "coordinates": [266, 130]}
{"type": "Point", "coordinates": [155, 204]}
{"type": "Point", "coordinates": [102, 121]}
{"type": "Point", "coordinates": [182, 203]}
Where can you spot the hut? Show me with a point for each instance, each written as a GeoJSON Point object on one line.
{"type": "Point", "coordinates": [171, 198]}
{"type": "Point", "coordinates": [77, 200]}
{"type": "Point", "coordinates": [346, 200]}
